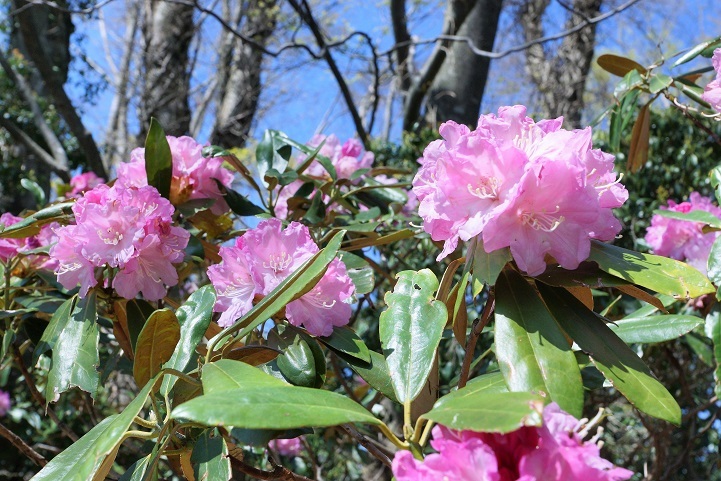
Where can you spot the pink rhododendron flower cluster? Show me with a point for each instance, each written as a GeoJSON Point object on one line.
{"type": "Point", "coordinates": [531, 186]}
{"type": "Point", "coordinates": [712, 92]}
{"type": "Point", "coordinates": [4, 403]}
{"type": "Point", "coordinates": [554, 452]}
{"type": "Point", "coordinates": [287, 447]}
{"type": "Point", "coordinates": [194, 176]}
{"type": "Point", "coordinates": [128, 229]}
{"type": "Point", "coordinates": [681, 239]}
{"type": "Point", "coordinates": [81, 183]}
{"type": "Point", "coordinates": [261, 259]}
{"type": "Point", "coordinates": [347, 158]}
{"type": "Point", "coordinates": [9, 248]}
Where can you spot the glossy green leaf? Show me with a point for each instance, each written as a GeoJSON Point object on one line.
{"type": "Point", "coordinates": [713, 331]}
{"type": "Point", "coordinates": [82, 459]}
{"type": "Point", "coordinates": [659, 82]}
{"type": "Point", "coordinates": [623, 112]}
{"type": "Point", "coordinates": [714, 265]}
{"type": "Point", "coordinates": [700, 216]}
{"type": "Point", "coordinates": [486, 384]}
{"type": "Point", "coordinates": [301, 361]}
{"type": "Point", "coordinates": [700, 348]}
{"type": "Point", "coordinates": [33, 187]}
{"type": "Point", "coordinates": [587, 274]}
{"type": "Point", "coordinates": [533, 353]}
{"type": "Point", "coordinates": [487, 266]}
{"type": "Point", "coordinates": [267, 155]}
{"type": "Point", "coordinates": [210, 458]}
{"type": "Point", "coordinates": [194, 318]}
{"type": "Point", "coordinates": [410, 331]}
{"type": "Point", "coordinates": [618, 363]}
{"type": "Point", "coordinates": [661, 274]}
{"type": "Point", "coordinates": [52, 331]}
{"type": "Point", "coordinates": [696, 51]}
{"type": "Point", "coordinates": [375, 373]}
{"type": "Point", "coordinates": [345, 341]}
{"type": "Point", "coordinates": [136, 471]}
{"type": "Point", "coordinates": [654, 328]}
{"type": "Point", "coordinates": [75, 353]}
{"type": "Point", "coordinates": [273, 407]}
{"type": "Point", "coordinates": [225, 375]}
{"type": "Point", "coordinates": [156, 344]}
{"type": "Point", "coordinates": [239, 204]}
{"type": "Point", "coordinates": [31, 224]}
{"type": "Point", "coordinates": [494, 412]}
{"type": "Point", "coordinates": [158, 159]}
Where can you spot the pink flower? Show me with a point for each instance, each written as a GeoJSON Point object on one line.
{"type": "Point", "coordinates": [261, 259]}
{"type": "Point", "coordinates": [712, 92]}
{"type": "Point", "coordinates": [4, 402]}
{"type": "Point", "coordinates": [530, 186]}
{"type": "Point", "coordinates": [194, 176]}
{"type": "Point", "coordinates": [553, 452]}
{"type": "Point", "coordinates": [10, 247]}
{"type": "Point", "coordinates": [128, 229]}
{"type": "Point", "coordinates": [680, 239]}
{"type": "Point", "coordinates": [346, 158]}
{"type": "Point", "coordinates": [84, 182]}
{"type": "Point", "coordinates": [287, 447]}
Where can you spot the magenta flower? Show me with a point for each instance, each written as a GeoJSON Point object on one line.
{"type": "Point", "coordinates": [555, 451]}
{"type": "Point", "coordinates": [530, 186]}
{"type": "Point", "coordinates": [128, 229]}
{"type": "Point", "coordinates": [683, 240]}
{"type": "Point", "coordinates": [287, 447]}
{"type": "Point", "coordinates": [194, 176]}
{"type": "Point", "coordinates": [10, 247]}
{"type": "Point", "coordinates": [712, 91]}
{"type": "Point", "coordinates": [346, 158]}
{"type": "Point", "coordinates": [84, 182]}
{"type": "Point", "coordinates": [261, 259]}
{"type": "Point", "coordinates": [4, 402]}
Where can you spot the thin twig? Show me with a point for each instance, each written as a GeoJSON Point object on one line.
{"type": "Point", "coordinates": [478, 326]}
{"type": "Point", "coordinates": [367, 443]}
{"type": "Point", "coordinates": [22, 446]}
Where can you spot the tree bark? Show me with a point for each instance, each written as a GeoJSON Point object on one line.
{"type": "Point", "coordinates": [168, 29]}
{"type": "Point", "coordinates": [240, 68]}
{"type": "Point", "coordinates": [458, 88]}
{"type": "Point", "coordinates": [560, 78]}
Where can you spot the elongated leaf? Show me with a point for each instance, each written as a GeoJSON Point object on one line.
{"type": "Point", "coordinates": [137, 470]}
{"type": "Point", "coordinates": [487, 384]}
{"type": "Point", "coordinates": [487, 266]}
{"type": "Point", "coordinates": [273, 407]}
{"type": "Point", "coordinates": [654, 328]}
{"type": "Point", "coordinates": [156, 345]}
{"type": "Point", "coordinates": [495, 412]}
{"type": "Point", "coordinates": [700, 216]}
{"type": "Point", "coordinates": [376, 374]}
{"type": "Point", "coordinates": [345, 341]}
{"type": "Point", "coordinates": [55, 327]}
{"type": "Point", "coordinates": [138, 311]}
{"type": "Point", "coordinates": [239, 203]}
{"type": "Point", "coordinates": [193, 317]}
{"type": "Point", "coordinates": [158, 159]}
{"type": "Point", "coordinates": [660, 274]}
{"type": "Point", "coordinates": [410, 331]}
{"type": "Point", "coordinates": [640, 135]}
{"type": "Point", "coordinates": [31, 225]}
{"type": "Point", "coordinates": [75, 354]}
{"type": "Point", "coordinates": [616, 361]}
{"type": "Point", "coordinates": [696, 51]}
{"type": "Point", "coordinates": [714, 265]}
{"type": "Point", "coordinates": [713, 331]}
{"type": "Point", "coordinates": [81, 460]}
{"type": "Point", "coordinates": [33, 187]}
{"type": "Point", "coordinates": [618, 65]}
{"type": "Point", "coordinates": [226, 375]}
{"type": "Point", "coordinates": [533, 352]}
{"type": "Point", "coordinates": [659, 82]}
{"type": "Point", "coordinates": [210, 458]}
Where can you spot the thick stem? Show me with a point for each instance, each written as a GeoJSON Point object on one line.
{"type": "Point", "coordinates": [478, 326]}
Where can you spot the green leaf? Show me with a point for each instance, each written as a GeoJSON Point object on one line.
{"type": "Point", "coordinates": [375, 373]}
{"type": "Point", "coordinates": [226, 375]}
{"type": "Point", "coordinates": [623, 112]}
{"type": "Point", "coordinates": [75, 354]}
{"type": "Point", "coordinates": [714, 265]}
{"type": "Point", "coordinates": [239, 204]}
{"type": "Point", "coordinates": [487, 384]}
{"type": "Point", "coordinates": [83, 458]}
{"type": "Point", "coordinates": [700, 348]}
{"type": "Point", "coordinates": [410, 331]}
{"type": "Point", "coordinates": [137, 470]}
{"type": "Point", "coordinates": [210, 458]}
{"type": "Point", "coordinates": [713, 331]}
{"type": "Point", "coordinates": [487, 266]}
{"type": "Point", "coordinates": [654, 328]}
{"type": "Point", "coordinates": [659, 82]}
{"type": "Point", "coordinates": [156, 345]}
{"type": "Point", "coordinates": [693, 216]}
{"type": "Point", "coordinates": [533, 352]}
{"type": "Point", "coordinates": [137, 312]}
{"type": "Point", "coordinates": [618, 363]}
{"type": "Point", "coordinates": [587, 274]}
{"type": "Point", "coordinates": [696, 51]}
{"type": "Point", "coordinates": [194, 318]}
{"type": "Point", "coordinates": [55, 327]}
{"type": "Point", "coordinates": [273, 407]}
{"type": "Point", "coordinates": [661, 274]}
{"type": "Point", "coordinates": [158, 159]}
{"type": "Point", "coordinates": [267, 155]}
{"type": "Point", "coordinates": [33, 187]}
{"type": "Point", "coordinates": [494, 412]}
{"type": "Point", "coordinates": [345, 341]}
{"type": "Point", "coordinates": [31, 224]}
{"type": "Point", "coordinates": [301, 361]}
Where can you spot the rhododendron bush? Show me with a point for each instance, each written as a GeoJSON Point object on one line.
{"type": "Point", "coordinates": [449, 322]}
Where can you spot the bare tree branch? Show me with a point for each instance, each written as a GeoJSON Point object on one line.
{"type": "Point", "coordinates": [22, 446]}
{"type": "Point", "coordinates": [404, 63]}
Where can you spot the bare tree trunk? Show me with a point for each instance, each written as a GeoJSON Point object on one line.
{"type": "Point", "coordinates": [560, 78]}
{"type": "Point", "coordinates": [458, 88]}
{"type": "Point", "coordinates": [240, 69]}
{"type": "Point", "coordinates": [168, 29]}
